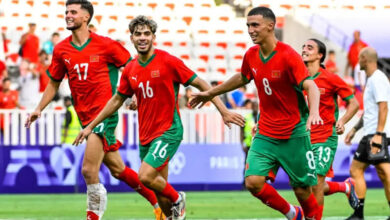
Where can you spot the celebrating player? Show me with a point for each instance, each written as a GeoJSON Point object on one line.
{"type": "Point", "coordinates": [324, 138]}
{"type": "Point", "coordinates": [154, 78]}
{"type": "Point", "coordinates": [91, 63]}
{"type": "Point", "coordinates": [279, 74]}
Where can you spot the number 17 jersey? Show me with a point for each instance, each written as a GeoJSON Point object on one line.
{"type": "Point", "coordinates": [92, 70]}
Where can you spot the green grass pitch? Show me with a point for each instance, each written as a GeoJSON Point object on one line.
{"type": "Point", "coordinates": [200, 205]}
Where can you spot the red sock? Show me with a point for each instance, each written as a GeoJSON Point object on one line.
{"type": "Point", "coordinates": [130, 177]}
{"type": "Point", "coordinates": [335, 187]}
{"type": "Point", "coordinates": [92, 216]}
{"type": "Point", "coordinates": [321, 212]}
{"type": "Point", "coordinates": [269, 196]}
{"type": "Point", "coordinates": [310, 207]}
{"type": "Point", "coordinates": [170, 193]}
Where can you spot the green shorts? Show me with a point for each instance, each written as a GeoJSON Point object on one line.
{"type": "Point", "coordinates": [324, 155]}
{"type": "Point", "coordinates": [106, 130]}
{"type": "Point", "coordinates": [159, 151]}
{"type": "Point", "coordinates": [293, 155]}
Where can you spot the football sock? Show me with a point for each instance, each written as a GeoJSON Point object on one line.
{"type": "Point", "coordinates": [170, 193]}
{"type": "Point", "coordinates": [96, 199]}
{"type": "Point", "coordinates": [270, 197]}
{"type": "Point", "coordinates": [92, 216]}
{"type": "Point", "coordinates": [291, 213]}
{"type": "Point", "coordinates": [335, 187]}
{"type": "Point", "coordinates": [310, 207]}
{"type": "Point", "coordinates": [130, 177]}
{"type": "Point", "coordinates": [359, 210]}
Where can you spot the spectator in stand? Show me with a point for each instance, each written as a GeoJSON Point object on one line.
{"type": "Point", "coordinates": [48, 46]}
{"type": "Point", "coordinates": [28, 85]}
{"type": "Point", "coordinates": [353, 53]}
{"type": "Point", "coordinates": [41, 68]}
{"type": "Point", "coordinates": [185, 99]}
{"type": "Point", "coordinates": [330, 64]}
{"type": "Point", "coordinates": [3, 72]}
{"type": "Point", "coordinates": [237, 97]}
{"type": "Point", "coordinates": [29, 44]}
{"type": "Point", "coordinates": [8, 97]}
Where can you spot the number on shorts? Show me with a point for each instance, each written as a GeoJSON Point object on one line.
{"type": "Point", "coordinates": [325, 150]}
{"type": "Point", "coordinates": [267, 88]}
{"type": "Point", "coordinates": [161, 151]}
{"type": "Point", "coordinates": [100, 127]}
{"type": "Point", "coordinates": [310, 159]}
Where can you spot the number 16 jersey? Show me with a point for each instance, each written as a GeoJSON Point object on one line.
{"type": "Point", "coordinates": [156, 86]}
{"type": "Point", "coordinates": [92, 70]}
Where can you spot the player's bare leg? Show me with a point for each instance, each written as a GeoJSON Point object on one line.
{"type": "Point", "coordinates": [96, 193]}
{"type": "Point", "coordinates": [154, 180]}
{"type": "Point", "coordinates": [383, 170]}
{"type": "Point", "coordinates": [357, 173]}
{"type": "Point", "coordinates": [117, 167]}
{"type": "Point", "coordinates": [270, 197]}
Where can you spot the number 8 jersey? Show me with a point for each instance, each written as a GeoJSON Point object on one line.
{"type": "Point", "coordinates": [156, 86]}
{"type": "Point", "coordinates": [92, 70]}
{"type": "Point", "coordinates": [279, 79]}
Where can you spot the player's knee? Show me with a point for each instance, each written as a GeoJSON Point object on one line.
{"type": "Point", "coordinates": [88, 172]}
{"type": "Point", "coordinates": [302, 192]}
{"type": "Point", "coordinates": [145, 179]}
{"type": "Point", "coordinates": [253, 185]}
{"type": "Point", "coordinates": [355, 173]}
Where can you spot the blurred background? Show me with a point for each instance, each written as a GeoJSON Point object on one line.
{"type": "Point", "coordinates": [211, 38]}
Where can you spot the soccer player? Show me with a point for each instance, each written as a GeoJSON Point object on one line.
{"type": "Point", "coordinates": [324, 138]}
{"type": "Point", "coordinates": [373, 147]}
{"type": "Point", "coordinates": [154, 78]}
{"type": "Point", "coordinates": [91, 63]}
{"type": "Point", "coordinates": [282, 136]}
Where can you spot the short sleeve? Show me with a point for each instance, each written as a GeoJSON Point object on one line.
{"type": "Point", "coordinates": [57, 68]}
{"type": "Point", "coordinates": [125, 89]}
{"type": "Point", "coordinates": [245, 69]}
{"type": "Point", "coordinates": [118, 55]}
{"type": "Point", "coordinates": [298, 69]}
{"type": "Point", "coordinates": [341, 88]}
{"type": "Point", "coordinates": [182, 74]}
{"type": "Point", "coordinates": [381, 88]}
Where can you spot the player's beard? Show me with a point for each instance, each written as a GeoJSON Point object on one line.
{"type": "Point", "coordinates": [74, 27]}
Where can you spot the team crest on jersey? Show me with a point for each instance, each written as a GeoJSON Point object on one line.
{"type": "Point", "coordinates": [94, 58]}
{"type": "Point", "coordinates": [276, 74]}
{"type": "Point", "coordinates": [322, 91]}
{"type": "Point", "coordinates": [155, 73]}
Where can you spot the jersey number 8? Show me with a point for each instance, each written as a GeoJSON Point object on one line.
{"type": "Point", "coordinates": [267, 88]}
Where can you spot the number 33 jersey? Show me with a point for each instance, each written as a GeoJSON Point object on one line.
{"type": "Point", "coordinates": [279, 79]}
{"type": "Point", "coordinates": [156, 86]}
{"type": "Point", "coordinates": [92, 70]}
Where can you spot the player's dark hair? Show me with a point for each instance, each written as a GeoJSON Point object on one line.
{"type": "Point", "coordinates": [6, 79]}
{"type": "Point", "coordinates": [331, 52]}
{"type": "Point", "coordinates": [85, 4]}
{"type": "Point", "coordinates": [264, 11]}
{"type": "Point", "coordinates": [321, 50]}
{"type": "Point", "coordinates": [142, 20]}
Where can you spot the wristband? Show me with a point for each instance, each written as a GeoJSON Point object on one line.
{"type": "Point", "coordinates": [380, 133]}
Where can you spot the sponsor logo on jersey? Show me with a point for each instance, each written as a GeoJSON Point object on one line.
{"type": "Point", "coordinates": [155, 73]}
{"type": "Point", "coordinates": [322, 91]}
{"type": "Point", "coordinates": [94, 58]}
{"type": "Point", "coordinates": [276, 74]}
{"type": "Point", "coordinates": [67, 60]}
{"type": "Point", "coordinates": [254, 70]}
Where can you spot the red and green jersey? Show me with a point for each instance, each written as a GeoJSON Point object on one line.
{"type": "Point", "coordinates": [330, 86]}
{"type": "Point", "coordinates": [279, 79]}
{"type": "Point", "coordinates": [156, 86]}
{"type": "Point", "coordinates": [92, 70]}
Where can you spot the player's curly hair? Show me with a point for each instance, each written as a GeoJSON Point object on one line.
{"type": "Point", "coordinates": [85, 4]}
{"type": "Point", "coordinates": [142, 20]}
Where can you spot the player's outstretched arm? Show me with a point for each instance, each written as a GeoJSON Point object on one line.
{"type": "Point", "coordinates": [48, 95]}
{"type": "Point", "coordinates": [314, 101]}
{"type": "Point", "coordinates": [201, 98]}
{"type": "Point", "coordinates": [228, 117]}
{"type": "Point", "coordinates": [112, 106]}
{"type": "Point", "coordinates": [352, 108]}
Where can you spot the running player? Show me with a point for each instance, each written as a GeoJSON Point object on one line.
{"type": "Point", "coordinates": [154, 78]}
{"type": "Point", "coordinates": [324, 138]}
{"type": "Point", "coordinates": [280, 75]}
{"type": "Point", "coordinates": [91, 63]}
